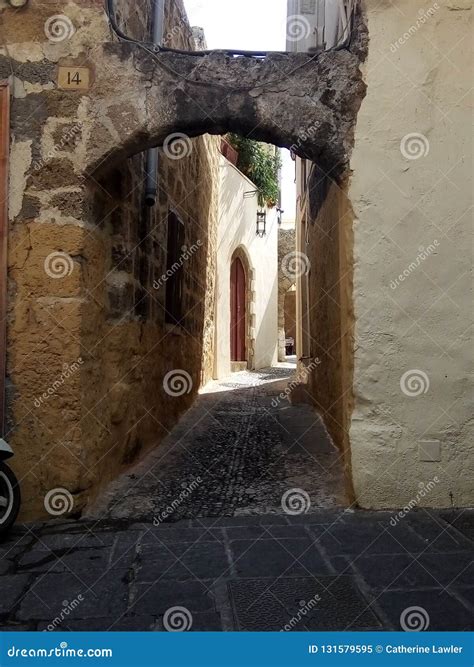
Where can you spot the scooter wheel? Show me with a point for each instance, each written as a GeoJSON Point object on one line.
{"type": "Point", "coordinates": [10, 498]}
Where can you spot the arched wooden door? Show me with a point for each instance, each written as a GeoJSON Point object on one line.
{"type": "Point", "coordinates": [238, 314]}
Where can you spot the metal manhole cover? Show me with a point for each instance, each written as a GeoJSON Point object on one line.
{"type": "Point", "coordinates": [299, 604]}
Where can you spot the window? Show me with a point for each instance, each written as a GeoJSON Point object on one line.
{"type": "Point", "coordinates": [174, 270]}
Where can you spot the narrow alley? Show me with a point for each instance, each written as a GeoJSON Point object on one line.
{"type": "Point", "coordinates": [237, 451]}
{"type": "Point", "coordinates": [235, 332]}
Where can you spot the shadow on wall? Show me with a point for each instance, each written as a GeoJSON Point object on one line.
{"type": "Point", "coordinates": [140, 373]}
{"type": "Point", "coordinates": [331, 319]}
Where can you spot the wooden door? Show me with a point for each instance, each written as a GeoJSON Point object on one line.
{"type": "Point", "coordinates": [238, 314]}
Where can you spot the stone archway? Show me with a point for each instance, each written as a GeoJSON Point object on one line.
{"type": "Point", "coordinates": [293, 100]}
{"type": "Point", "coordinates": [136, 100]}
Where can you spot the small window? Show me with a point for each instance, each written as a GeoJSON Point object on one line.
{"type": "Point", "coordinates": [174, 269]}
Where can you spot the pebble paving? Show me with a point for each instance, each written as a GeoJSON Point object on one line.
{"type": "Point", "coordinates": [237, 451]}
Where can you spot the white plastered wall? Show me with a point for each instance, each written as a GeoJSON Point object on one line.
{"type": "Point", "coordinates": [237, 229]}
{"type": "Point", "coordinates": [413, 219]}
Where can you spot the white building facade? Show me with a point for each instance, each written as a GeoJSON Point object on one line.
{"type": "Point", "coordinates": [247, 278]}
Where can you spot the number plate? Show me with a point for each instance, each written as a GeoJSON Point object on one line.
{"type": "Point", "coordinates": [74, 78]}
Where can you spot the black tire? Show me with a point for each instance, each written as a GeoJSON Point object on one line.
{"type": "Point", "coordinates": [10, 488]}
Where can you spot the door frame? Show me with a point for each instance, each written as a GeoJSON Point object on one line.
{"type": "Point", "coordinates": [241, 253]}
{"type": "Point", "coordinates": [4, 178]}
{"type": "Point", "coordinates": [235, 324]}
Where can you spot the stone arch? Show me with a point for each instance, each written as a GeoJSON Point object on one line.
{"type": "Point", "coordinates": [308, 104]}
{"type": "Point", "coordinates": [136, 100]}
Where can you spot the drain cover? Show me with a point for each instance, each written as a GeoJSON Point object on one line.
{"type": "Point", "coordinates": [300, 603]}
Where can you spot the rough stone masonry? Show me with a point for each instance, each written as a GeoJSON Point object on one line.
{"type": "Point", "coordinates": [136, 98]}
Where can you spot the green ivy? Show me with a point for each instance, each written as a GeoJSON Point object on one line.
{"type": "Point", "coordinates": [261, 166]}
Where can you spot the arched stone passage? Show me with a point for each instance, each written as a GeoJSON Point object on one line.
{"type": "Point", "coordinates": [136, 99]}
{"type": "Point", "coordinates": [309, 104]}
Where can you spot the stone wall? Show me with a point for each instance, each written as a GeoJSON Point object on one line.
{"type": "Point", "coordinates": [412, 196]}
{"type": "Point", "coordinates": [286, 250]}
{"type": "Point", "coordinates": [389, 307]}
{"type": "Point", "coordinates": [290, 314]}
{"type": "Point", "coordinates": [329, 322]}
{"type": "Point", "coordinates": [88, 348]}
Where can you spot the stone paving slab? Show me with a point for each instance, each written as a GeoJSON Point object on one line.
{"type": "Point", "coordinates": [444, 611]}
{"type": "Point", "coordinates": [240, 573]}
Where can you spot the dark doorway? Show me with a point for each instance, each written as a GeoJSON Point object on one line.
{"type": "Point", "coordinates": [238, 314]}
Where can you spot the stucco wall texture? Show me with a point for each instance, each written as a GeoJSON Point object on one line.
{"type": "Point", "coordinates": [412, 191]}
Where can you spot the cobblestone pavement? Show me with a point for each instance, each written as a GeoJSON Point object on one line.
{"type": "Point", "coordinates": [329, 570]}
{"type": "Point", "coordinates": [237, 451]}
{"type": "Point", "coordinates": [197, 537]}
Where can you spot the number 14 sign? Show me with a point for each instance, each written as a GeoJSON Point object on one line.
{"type": "Point", "coordinates": [73, 78]}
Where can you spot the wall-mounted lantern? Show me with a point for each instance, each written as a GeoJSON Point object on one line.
{"type": "Point", "coordinates": [261, 223]}
{"type": "Point", "coordinates": [280, 212]}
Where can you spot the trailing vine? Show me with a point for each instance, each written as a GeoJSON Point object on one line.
{"type": "Point", "coordinates": [261, 165]}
